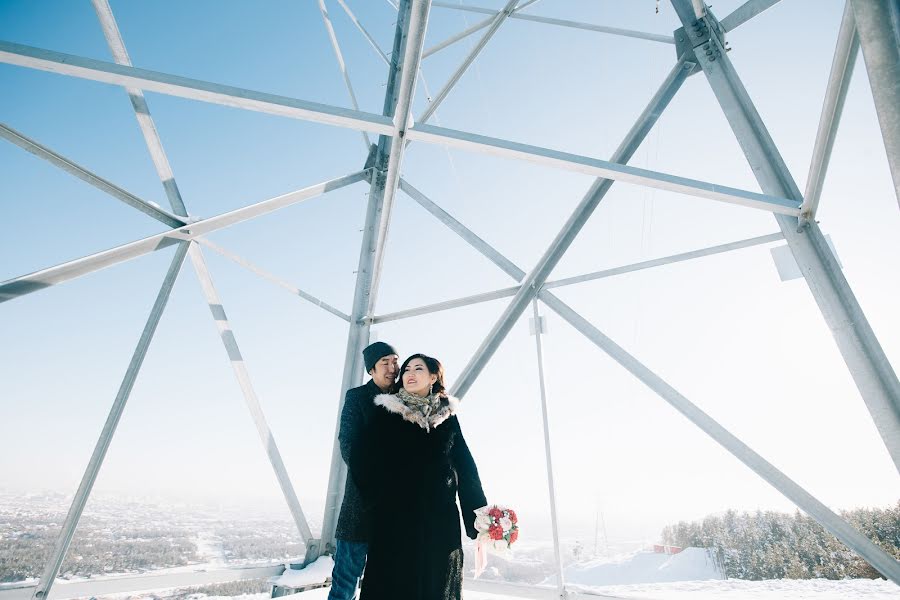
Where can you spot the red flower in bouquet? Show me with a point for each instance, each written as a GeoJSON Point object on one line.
{"type": "Point", "coordinates": [497, 528]}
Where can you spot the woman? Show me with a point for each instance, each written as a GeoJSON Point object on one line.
{"type": "Point", "coordinates": [411, 462]}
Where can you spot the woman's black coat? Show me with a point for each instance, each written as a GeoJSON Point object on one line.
{"type": "Point", "coordinates": [409, 471]}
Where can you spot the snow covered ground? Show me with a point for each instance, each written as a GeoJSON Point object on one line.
{"type": "Point", "coordinates": [731, 589]}
{"type": "Point", "coordinates": [692, 564]}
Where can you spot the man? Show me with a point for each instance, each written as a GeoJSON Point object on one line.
{"type": "Point", "coordinates": [352, 527]}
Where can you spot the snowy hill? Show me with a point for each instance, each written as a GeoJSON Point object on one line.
{"type": "Point", "coordinates": [645, 566]}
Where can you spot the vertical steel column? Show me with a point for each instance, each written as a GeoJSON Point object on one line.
{"type": "Point", "coordinates": [358, 334]}
{"type": "Point", "coordinates": [539, 274]}
{"type": "Point", "coordinates": [51, 570]}
{"type": "Point", "coordinates": [878, 24]}
{"type": "Point", "coordinates": [554, 518]}
{"type": "Point", "coordinates": [875, 378]}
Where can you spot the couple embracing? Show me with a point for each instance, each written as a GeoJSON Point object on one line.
{"type": "Point", "coordinates": [407, 462]}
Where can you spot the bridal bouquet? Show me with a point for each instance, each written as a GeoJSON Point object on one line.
{"type": "Point", "coordinates": [498, 529]}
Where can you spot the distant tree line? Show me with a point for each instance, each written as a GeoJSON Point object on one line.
{"type": "Point", "coordinates": [775, 545]}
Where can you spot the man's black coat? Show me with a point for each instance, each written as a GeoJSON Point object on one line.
{"type": "Point", "coordinates": [353, 522]}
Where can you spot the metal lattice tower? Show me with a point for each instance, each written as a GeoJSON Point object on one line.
{"type": "Point", "coordinates": [700, 47]}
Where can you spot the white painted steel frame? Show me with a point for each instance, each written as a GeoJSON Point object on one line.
{"type": "Point", "coordinates": [64, 539]}
{"type": "Point", "coordinates": [653, 37]}
{"type": "Point", "coordinates": [72, 168]}
{"type": "Point", "coordinates": [745, 12]}
{"type": "Point", "coordinates": [300, 109]}
{"type": "Point", "coordinates": [861, 352]}
{"type": "Point", "coordinates": [272, 278]}
{"type": "Point", "coordinates": [194, 89]}
{"type": "Point", "coordinates": [32, 282]}
{"type": "Point", "coordinates": [495, 24]}
{"type": "Point", "coordinates": [332, 36]}
{"type": "Point", "coordinates": [533, 281]}
{"type": "Point", "coordinates": [161, 163]}
{"type": "Point", "coordinates": [706, 423]}
{"type": "Point", "coordinates": [865, 359]}
{"type": "Point", "coordinates": [167, 178]}
{"type": "Point", "coordinates": [548, 454]}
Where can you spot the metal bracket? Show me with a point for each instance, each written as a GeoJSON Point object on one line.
{"type": "Point", "coordinates": [701, 33]}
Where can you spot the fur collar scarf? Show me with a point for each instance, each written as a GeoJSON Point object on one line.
{"type": "Point", "coordinates": [392, 403]}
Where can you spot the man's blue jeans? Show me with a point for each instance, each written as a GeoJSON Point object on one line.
{"type": "Point", "coordinates": [349, 560]}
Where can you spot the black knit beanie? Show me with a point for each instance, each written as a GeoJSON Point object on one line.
{"type": "Point", "coordinates": [375, 352]}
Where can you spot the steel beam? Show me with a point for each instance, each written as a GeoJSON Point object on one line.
{"type": "Point", "coordinates": [72, 168]}
{"type": "Point", "coordinates": [250, 398]}
{"type": "Point", "coordinates": [862, 545]}
{"type": "Point", "coordinates": [167, 178]}
{"type": "Point", "coordinates": [745, 12]}
{"type": "Point", "coordinates": [274, 279]}
{"type": "Point", "coordinates": [402, 117]}
{"type": "Point", "coordinates": [878, 25]}
{"type": "Point", "coordinates": [498, 20]}
{"type": "Point", "coordinates": [341, 64]}
{"type": "Point", "coordinates": [51, 569]}
{"type": "Point", "coordinates": [32, 282]}
{"type": "Point", "coordinates": [470, 30]}
{"type": "Point", "coordinates": [193, 89]}
{"type": "Point", "coordinates": [459, 228]}
{"type": "Point", "coordinates": [865, 359]}
{"type": "Point", "coordinates": [365, 33]}
{"type": "Point", "coordinates": [518, 274]}
{"type": "Point", "coordinates": [712, 428]}
{"type": "Point", "coordinates": [667, 260]}
{"type": "Point", "coordinates": [867, 362]}
{"type": "Point", "coordinates": [446, 305]}
{"type": "Point", "coordinates": [726, 439]}
{"type": "Point", "coordinates": [653, 37]}
{"type": "Point", "coordinates": [536, 278]}
{"type": "Point", "coordinates": [535, 154]}
{"type": "Point", "coordinates": [511, 291]}
{"type": "Point", "coordinates": [612, 169]}
{"type": "Point", "coordinates": [363, 299]}
{"type": "Point", "coordinates": [835, 93]}
{"type": "Point", "coordinates": [548, 455]}
{"type": "Point", "coordinates": [139, 104]}
{"type": "Point", "coordinates": [457, 37]}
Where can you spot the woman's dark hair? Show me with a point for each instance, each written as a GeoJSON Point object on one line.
{"type": "Point", "coordinates": [434, 367]}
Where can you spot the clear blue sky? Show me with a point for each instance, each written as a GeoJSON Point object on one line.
{"type": "Point", "coordinates": [752, 351]}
